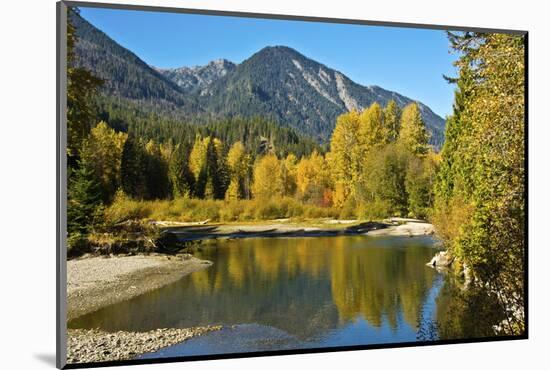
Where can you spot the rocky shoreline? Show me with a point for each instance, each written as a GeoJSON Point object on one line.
{"type": "Point", "coordinates": [92, 345]}
{"type": "Point", "coordinates": [97, 282]}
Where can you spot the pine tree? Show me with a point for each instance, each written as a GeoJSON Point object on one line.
{"type": "Point", "coordinates": [180, 176]}
{"type": "Point", "coordinates": [81, 87]}
{"type": "Point", "coordinates": [454, 164]}
{"type": "Point", "coordinates": [222, 172]}
{"type": "Point", "coordinates": [214, 188]}
{"type": "Point", "coordinates": [392, 116]}
{"type": "Point", "coordinates": [84, 199]}
{"type": "Point", "coordinates": [133, 169]}
{"type": "Point", "coordinates": [156, 172]}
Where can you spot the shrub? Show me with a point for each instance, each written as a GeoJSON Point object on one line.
{"type": "Point", "coordinates": [77, 245]}
{"type": "Point", "coordinates": [187, 209]}
{"type": "Point", "coordinates": [268, 210]}
{"type": "Point", "coordinates": [375, 210]}
{"type": "Point", "coordinates": [123, 208]}
{"type": "Point", "coordinates": [349, 209]}
{"type": "Point", "coordinates": [231, 210]}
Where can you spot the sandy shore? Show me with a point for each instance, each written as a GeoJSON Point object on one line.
{"type": "Point", "coordinates": [400, 227]}
{"type": "Point", "coordinates": [96, 282]}
{"type": "Point", "coordinates": [91, 345]}
{"type": "Point", "coordinates": [407, 229]}
{"type": "Point", "coordinates": [271, 230]}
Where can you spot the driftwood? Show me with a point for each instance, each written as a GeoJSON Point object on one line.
{"type": "Point", "coordinates": [178, 223]}
{"type": "Point", "coordinates": [249, 232]}
{"type": "Point", "coordinates": [402, 220]}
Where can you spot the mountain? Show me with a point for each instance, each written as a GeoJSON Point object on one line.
{"type": "Point", "coordinates": [125, 75]}
{"type": "Point", "coordinates": [290, 88]}
{"type": "Point", "coordinates": [277, 83]}
{"type": "Point", "coordinates": [193, 79]}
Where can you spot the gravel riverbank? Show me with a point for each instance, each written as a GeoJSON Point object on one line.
{"type": "Point", "coordinates": [96, 282]}
{"type": "Point", "coordinates": [91, 345]}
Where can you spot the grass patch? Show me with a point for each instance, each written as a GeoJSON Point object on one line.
{"type": "Point", "coordinates": [187, 210]}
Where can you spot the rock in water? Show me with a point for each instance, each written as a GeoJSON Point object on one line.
{"type": "Point", "coordinates": [441, 259]}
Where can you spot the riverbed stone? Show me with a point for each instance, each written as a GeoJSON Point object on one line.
{"type": "Point", "coordinates": [441, 259]}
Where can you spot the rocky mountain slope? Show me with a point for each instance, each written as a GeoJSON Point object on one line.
{"type": "Point", "coordinates": [290, 88]}
{"type": "Point", "coordinates": [277, 83]}
{"type": "Point", "coordinates": [193, 79]}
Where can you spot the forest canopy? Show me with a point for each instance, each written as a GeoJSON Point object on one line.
{"type": "Point", "coordinates": [479, 208]}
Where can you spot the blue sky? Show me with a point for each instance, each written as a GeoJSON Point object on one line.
{"type": "Point", "coordinates": [408, 61]}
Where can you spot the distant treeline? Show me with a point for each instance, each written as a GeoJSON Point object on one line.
{"type": "Point", "coordinates": [254, 132]}
{"type": "Point", "coordinates": [378, 164]}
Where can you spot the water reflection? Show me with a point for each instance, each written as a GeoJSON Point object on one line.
{"type": "Point", "coordinates": [352, 289]}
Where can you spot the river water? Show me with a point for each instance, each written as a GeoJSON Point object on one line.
{"type": "Point", "coordinates": [293, 293]}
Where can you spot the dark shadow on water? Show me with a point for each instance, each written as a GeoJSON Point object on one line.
{"type": "Point", "coordinates": [47, 358]}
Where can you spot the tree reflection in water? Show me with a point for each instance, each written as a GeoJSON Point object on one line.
{"type": "Point", "coordinates": [308, 287]}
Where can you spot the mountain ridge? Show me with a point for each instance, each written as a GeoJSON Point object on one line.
{"type": "Point", "coordinates": [124, 73]}
{"type": "Point", "coordinates": [191, 79]}
{"type": "Point", "coordinates": [276, 82]}
{"type": "Point", "coordinates": [272, 77]}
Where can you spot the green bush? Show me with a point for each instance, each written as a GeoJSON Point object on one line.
{"type": "Point", "coordinates": [375, 210]}
{"type": "Point", "coordinates": [77, 245]}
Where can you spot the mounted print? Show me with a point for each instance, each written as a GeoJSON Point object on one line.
{"type": "Point", "coordinates": [235, 184]}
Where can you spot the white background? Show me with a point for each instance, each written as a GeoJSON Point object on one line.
{"type": "Point", "coordinates": [27, 181]}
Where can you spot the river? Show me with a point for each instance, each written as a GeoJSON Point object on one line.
{"type": "Point", "coordinates": [293, 293]}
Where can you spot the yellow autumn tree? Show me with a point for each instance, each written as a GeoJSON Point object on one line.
{"type": "Point", "coordinates": [344, 138]}
{"type": "Point", "coordinates": [311, 178]}
{"type": "Point", "coordinates": [413, 134]}
{"type": "Point", "coordinates": [103, 151]}
{"type": "Point", "coordinates": [238, 163]}
{"type": "Point", "coordinates": [267, 178]}
{"type": "Point", "coordinates": [372, 133]}
{"type": "Point", "coordinates": [289, 166]}
{"type": "Point", "coordinates": [197, 158]}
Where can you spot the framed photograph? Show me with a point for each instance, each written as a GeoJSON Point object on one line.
{"type": "Point", "coordinates": [235, 184]}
